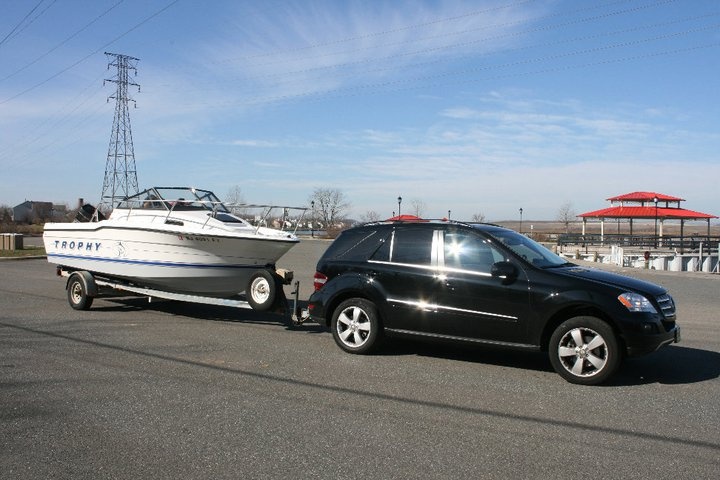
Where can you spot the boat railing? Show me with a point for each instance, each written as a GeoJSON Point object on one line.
{"type": "Point", "coordinates": [215, 206]}
{"type": "Point", "coordinates": [166, 208]}
{"type": "Point", "coordinates": [267, 210]}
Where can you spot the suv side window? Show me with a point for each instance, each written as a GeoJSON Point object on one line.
{"type": "Point", "coordinates": [412, 245]}
{"type": "Point", "coordinates": [382, 254]}
{"type": "Point", "coordinates": [466, 251]}
{"type": "Point", "coordinates": [356, 244]}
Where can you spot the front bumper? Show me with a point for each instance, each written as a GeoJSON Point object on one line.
{"type": "Point", "coordinates": [641, 344]}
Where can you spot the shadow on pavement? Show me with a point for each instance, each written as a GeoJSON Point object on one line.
{"type": "Point", "coordinates": [199, 311]}
{"type": "Point", "coordinates": [669, 366]}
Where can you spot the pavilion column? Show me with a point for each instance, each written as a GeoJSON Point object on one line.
{"type": "Point", "coordinates": [602, 230]}
{"type": "Point", "coordinates": [661, 232]}
{"type": "Point", "coordinates": [682, 235]}
{"type": "Point", "coordinates": [585, 223]}
{"type": "Point", "coordinates": [631, 225]}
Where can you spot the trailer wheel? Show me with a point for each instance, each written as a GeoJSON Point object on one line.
{"type": "Point", "coordinates": [262, 290]}
{"type": "Point", "coordinates": [77, 292]}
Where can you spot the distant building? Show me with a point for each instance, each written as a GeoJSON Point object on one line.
{"type": "Point", "coordinates": [30, 211]}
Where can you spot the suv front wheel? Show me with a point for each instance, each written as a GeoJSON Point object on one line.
{"type": "Point", "coordinates": [356, 326]}
{"type": "Point", "coordinates": [584, 350]}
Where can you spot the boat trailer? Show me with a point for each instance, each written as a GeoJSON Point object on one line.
{"type": "Point", "coordinates": [83, 286]}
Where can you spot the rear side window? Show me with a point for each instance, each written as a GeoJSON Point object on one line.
{"type": "Point", "coordinates": [412, 245]}
{"type": "Point", "coordinates": [356, 244]}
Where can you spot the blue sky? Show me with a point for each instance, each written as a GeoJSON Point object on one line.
{"type": "Point", "coordinates": [474, 107]}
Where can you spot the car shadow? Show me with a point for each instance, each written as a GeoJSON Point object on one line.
{"type": "Point", "coordinates": [669, 366]}
{"type": "Point", "coordinates": [466, 352]}
{"type": "Point", "coordinates": [673, 365]}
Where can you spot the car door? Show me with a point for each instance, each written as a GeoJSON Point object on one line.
{"type": "Point", "coordinates": [404, 270]}
{"type": "Point", "coordinates": [472, 303]}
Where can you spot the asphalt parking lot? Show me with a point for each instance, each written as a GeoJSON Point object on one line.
{"type": "Point", "coordinates": [132, 389]}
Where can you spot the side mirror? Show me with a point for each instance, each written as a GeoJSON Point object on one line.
{"type": "Point", "coordinates": [505, 271]}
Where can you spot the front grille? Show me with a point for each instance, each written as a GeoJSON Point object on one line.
{"type": "Point", "coordinates": [667, 305]}
{"type": "Point", "coordinates": [667, 308]}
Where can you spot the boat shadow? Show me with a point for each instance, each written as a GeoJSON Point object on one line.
{"type": "Point", "coordinates": [215, 313]}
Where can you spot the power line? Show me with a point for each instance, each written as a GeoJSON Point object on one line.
{"type": "Point", "coordinates": [445, 34]}
{"type": "Point", "coordinates": [495, 37]}
{"type": "Point", "coordinates": [16, 27]}
{"type": "Point", "coordinates": [469, 43]}
{"type": "Point", "coordinates": [547, 58]}
{"type": "Point", "coordinates": [54, 123]}
{"type": "Point", "coordinates": [62, 43]}
{"type": "Point", "coordinates": [78, 62]}
{"type": "Point", "coordinates": [354, 91]}
{"type": "Point", "coordinates": [395, 30]}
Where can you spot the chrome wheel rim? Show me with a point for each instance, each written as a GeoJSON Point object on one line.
{"type": "Point", "coordinates": [76, 293]}
{"type": "Point", "coordinates": [583, 352]}
{"type": "Point", "coordinates": [260, 290]}
{"type": "Point", "coordinates": [353, 326]}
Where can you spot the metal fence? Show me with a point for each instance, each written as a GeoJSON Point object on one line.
{"type": "Point", "coordinates": [707, 243]}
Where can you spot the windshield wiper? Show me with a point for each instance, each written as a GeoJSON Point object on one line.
{"type": "Point", "coordinates": [559, 265]}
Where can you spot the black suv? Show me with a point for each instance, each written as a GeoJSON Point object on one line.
{"type": "Point", "coordinates": [490, 285]}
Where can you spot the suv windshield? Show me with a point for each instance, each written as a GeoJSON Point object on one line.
{"type": "Point", "coordinates": [528, 249]}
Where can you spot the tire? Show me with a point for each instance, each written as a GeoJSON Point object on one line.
{"type": "Point", "coordinates": [262, 290]}
{"type": "Point", "coordinates": [356, 326]}
{"type": "Point", "coordinates": [77, 293]}
{"type": "Point", "coordinates": [584, 350]}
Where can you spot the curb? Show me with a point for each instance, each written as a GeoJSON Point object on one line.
{"type": "Point", "coordinates": [28, 257]}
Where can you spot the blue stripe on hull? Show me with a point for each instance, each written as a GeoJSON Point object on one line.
{"type": "Point", "coordinates": [148, 263]}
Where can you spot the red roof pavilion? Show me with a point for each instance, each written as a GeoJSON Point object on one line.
{"type": "Point", "coordinates": [647, 206]}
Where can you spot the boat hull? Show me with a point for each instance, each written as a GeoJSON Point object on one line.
{"type": "Point", "coordinates": [218, 265]}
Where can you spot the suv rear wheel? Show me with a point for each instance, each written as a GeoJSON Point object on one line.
{"type": "Point", "coordinates": [584, 350]}
{"type": "Point", "coordinates": [356, 326]}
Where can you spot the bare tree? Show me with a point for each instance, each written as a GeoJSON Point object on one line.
{"type": "Point", "coordinates": [566, 215]}
{"type": "Point", "coordinates": [5, 215]}
{"type": "Point", "coordinates": [41, 212]}
{"type": "Point", "coordinates": [418, 207]}
{"type": "Point", "coordinates": [478, 217]}
{"type": "Point", "coordinates": [370, 216]}
{"type": "Point", "coordinates": [234, 197]}
{"type": "Point", "coordinates": [330, 205]}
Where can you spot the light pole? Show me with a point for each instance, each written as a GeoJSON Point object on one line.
{"type": "Point", "coordinates": [399, 202]}
{"type": "Point", "coordinates": [656, 237]}
{"type": "Point", "coordinates": [448, 214]}
{"type": "Point", "coordinates": [312, 219]}
{"type": "Point", "coordinates": [520, 229]}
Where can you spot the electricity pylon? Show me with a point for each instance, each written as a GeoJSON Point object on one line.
{"type": "Point", "coordinates": [120, 174]}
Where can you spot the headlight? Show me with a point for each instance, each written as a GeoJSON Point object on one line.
{"type": "Point", "coordinates": [636, 303]}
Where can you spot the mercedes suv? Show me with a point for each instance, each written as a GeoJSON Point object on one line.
{"type": "Point", "coordinates": [489, 285]}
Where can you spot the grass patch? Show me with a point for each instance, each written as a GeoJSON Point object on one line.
{"type": "Point", "coordinates": [25, 252]}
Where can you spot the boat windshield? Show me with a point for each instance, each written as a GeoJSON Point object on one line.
{"type": "Point", "coordinates": [174, 198]}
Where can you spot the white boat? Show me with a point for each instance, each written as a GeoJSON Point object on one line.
{"type": "Point", "coordinates": [174, 239]}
